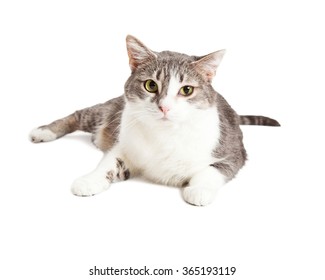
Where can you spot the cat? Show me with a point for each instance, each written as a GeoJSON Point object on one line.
{"type": "Point", "coordinates": [170, 126]}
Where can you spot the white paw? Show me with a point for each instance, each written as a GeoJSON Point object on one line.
{"type": "Point", "coordinates": [199, 196]}
{"type": "Point", "coordinates": [89, 185]}
{"type": "Point", "coordinates": [42, 135]}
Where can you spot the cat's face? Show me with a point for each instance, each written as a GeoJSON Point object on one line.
{"type": "Point", "coordinates": [169, 86]}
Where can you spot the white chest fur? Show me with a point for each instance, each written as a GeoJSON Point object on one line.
{"type": "Point", "coordinates": [168, 152]}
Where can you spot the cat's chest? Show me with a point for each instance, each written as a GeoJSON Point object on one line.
{"type": "Point", "coordinates": [165, 151]}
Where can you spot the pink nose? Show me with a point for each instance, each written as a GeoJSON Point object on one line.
{"type": "Point", "coordinates": [164, 109]}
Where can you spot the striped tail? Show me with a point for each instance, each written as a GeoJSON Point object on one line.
{"type": "Point", "coordinates": [258, 120]}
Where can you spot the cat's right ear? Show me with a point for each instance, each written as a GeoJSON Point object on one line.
{"type": "Point", "coordinates": [138, 52]}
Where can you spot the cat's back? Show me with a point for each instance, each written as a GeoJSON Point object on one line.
{"type": "Point", "coordinates": [231, 138]}
{"type": "Point", "coordinates": [228, 116]}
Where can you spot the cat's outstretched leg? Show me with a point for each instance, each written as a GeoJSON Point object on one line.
{"type": "Point", "coordinates": [86, 120]}
{"type": "Point", "coordinates": [55, 129]}
{"type": "Point", "coordinates": [203, 186]}
{"type": "Point", "coordinates": [102, 120]}
{"type": "Point", "coordinates": [111, 168]}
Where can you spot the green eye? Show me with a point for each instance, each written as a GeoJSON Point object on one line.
{"type": "Point", "coordinates": [151, 86]}
{"type": "Point", "coordinates": [186, 90]}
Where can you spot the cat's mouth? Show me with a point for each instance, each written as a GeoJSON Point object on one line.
{"type": "Point", "coordinates": [165, 118]}
{"type": "Point", "coordinates": [169, 118]}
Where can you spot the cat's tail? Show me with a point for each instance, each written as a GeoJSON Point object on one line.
{"type": "Point", "coordinates": [258, 120]}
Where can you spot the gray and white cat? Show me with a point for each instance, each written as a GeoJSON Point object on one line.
{"type": "Point", "coordinates": [170, 126]}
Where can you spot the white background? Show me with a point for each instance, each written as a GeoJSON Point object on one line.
{"type": "Point", "coordinates": [59, 56]}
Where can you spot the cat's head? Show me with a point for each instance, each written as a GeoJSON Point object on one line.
{"type": "Point", "coordinates": [169, 86]}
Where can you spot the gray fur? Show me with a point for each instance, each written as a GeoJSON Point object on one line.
{"type": "Point", "coordinates": [120, 174]}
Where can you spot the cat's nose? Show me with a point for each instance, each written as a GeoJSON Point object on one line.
{"type": "Point", "coordinates": [164, 109]}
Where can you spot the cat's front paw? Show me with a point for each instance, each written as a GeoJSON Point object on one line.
{"type": "Point", "coordinates": [199, 196]}
{"type": "Point", "coordinates": [89, 185]}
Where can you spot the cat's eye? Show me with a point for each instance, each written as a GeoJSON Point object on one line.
{"type": "Point", "coordinates": [186, 90]}
{"type": "Point", "coordinates": [151, 86]}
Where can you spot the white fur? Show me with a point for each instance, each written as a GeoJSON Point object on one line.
{"type": "Point", "coordinates": [168, 152]}
{"type": "Point", "coordinates": [96, 182]}
{"type": "Point", "coordinates": [42, 135]}
{"type": "Point", "coordinates": [170, 148]}
{"type": "Point", "coordinates": [203, 186]}
{"type": "Point", "coordinates": [90, 184]}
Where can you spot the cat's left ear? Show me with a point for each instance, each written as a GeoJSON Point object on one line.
{"type": "Point", "coordinates": [138, 52]}
{"type": "Point", "coordinates": [207, 65]}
